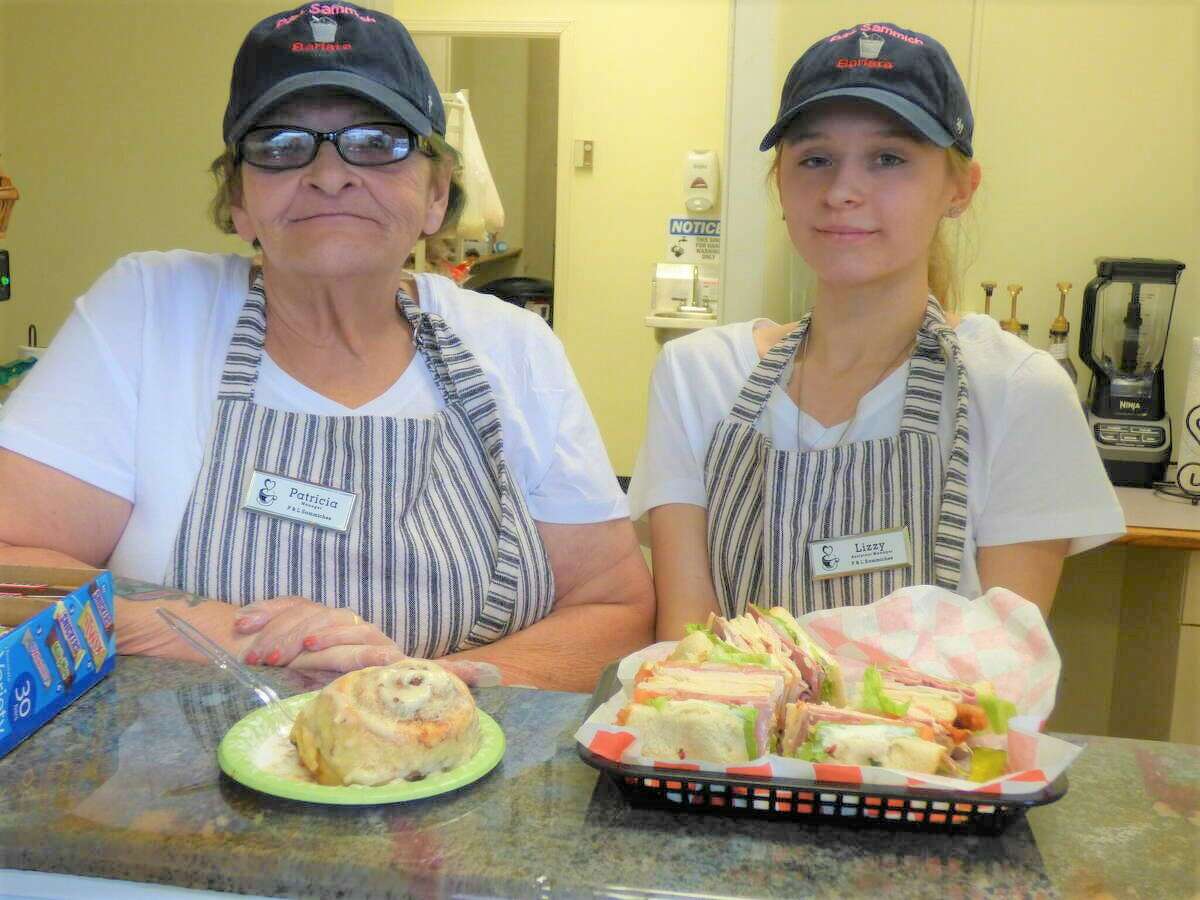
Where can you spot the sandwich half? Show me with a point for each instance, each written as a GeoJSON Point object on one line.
{"type": "Point", "coordinates": [953, 704]}
{"type": "Point", "coordinates": [817, 666]}
{"type": "Point", "coordinates": [713, 712]}
{"type": "Point", "coordinates": [820, 733]}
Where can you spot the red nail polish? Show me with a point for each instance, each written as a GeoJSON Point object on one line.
{"type": "Point", "coordinates": [273, 657]}
{"type": "Point", "coordinates": [310, 642]}
{"type": "Point", "coordinates": [251, 658]}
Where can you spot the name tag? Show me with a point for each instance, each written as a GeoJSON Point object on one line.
{"type": "Point", "coordinates": [300, 501]}
{"type": "Point", "coordinates": [835, 557]}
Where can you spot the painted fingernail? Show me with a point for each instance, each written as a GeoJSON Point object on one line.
{"type": "Point", "coordinates": [251, 658]}
{"type": "Point", "coordinates": [273, 657]}
{"type": "Point", "coordinates": [310, 642]}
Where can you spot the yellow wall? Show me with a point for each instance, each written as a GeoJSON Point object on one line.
{"type": "Point", "coordinates": [112, 113]}
{"type": "Point", "coordinates": [1088, 132]}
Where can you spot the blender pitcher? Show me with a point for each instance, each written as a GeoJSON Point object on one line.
{"type": "Point", "coordinates": [1123, 337]}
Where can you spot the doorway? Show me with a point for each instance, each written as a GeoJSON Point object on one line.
{"type": "Point", "coordinates": [510, 82]}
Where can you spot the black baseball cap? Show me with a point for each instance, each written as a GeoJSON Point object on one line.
{"type": "Point", "coordinates": [908, 72]}
{"type": "Point", "coordinates": [337, 45]}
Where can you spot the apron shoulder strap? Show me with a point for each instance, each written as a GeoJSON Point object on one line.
{"type": "Point", "coordinates": [457, 373]}
{"type": "Point", "coordinates": [753, 396]}
{"type": "Point", "coordinates": [240, 372]}
{"type": "Point", "coordinates": [937, 349]}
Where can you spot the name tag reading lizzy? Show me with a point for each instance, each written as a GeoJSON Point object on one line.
{"type": "Point", "coordinates": [300, 501]}
{"type": "Point", "coordinates": [835, 557]}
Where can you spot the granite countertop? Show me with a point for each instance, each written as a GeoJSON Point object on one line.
{"type": "Point", "coordinates": [125, 784]}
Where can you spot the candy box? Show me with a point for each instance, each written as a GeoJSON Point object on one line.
{"type": "Point", "coordinates": [57, 639]}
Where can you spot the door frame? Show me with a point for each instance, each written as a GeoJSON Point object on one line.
{"type": "Point", "coordinates": [563, 30]}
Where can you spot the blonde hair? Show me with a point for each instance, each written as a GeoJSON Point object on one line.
{"type": "Point", "coordinates": [227, 172]}
{"type": "Point", "coordinates": [944, 273]}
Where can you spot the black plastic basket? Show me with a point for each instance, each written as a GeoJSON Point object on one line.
{"type": "Point", "coordinates": [816, 802]}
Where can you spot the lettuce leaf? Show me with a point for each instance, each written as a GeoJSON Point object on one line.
{"type": "Point", "coordinates": [827, 690]}
{"type": "Point", "coordinates": [659, 703]}
{"type": "Point", "coordinates": [998, 711]}
{"type": "Point", "coordinates": [750, 729]}
{"type": "Point", "coordinates": [725, 653]}
{"type": "Point", "coordinates": [873, 698]}
{"type": "Point", "coordinates": [731, 655]}
{"type": "Point", "coordinates": [812, 750]}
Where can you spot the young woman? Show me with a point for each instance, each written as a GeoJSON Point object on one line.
{"type": "Point", "coordinates": [880, 441]}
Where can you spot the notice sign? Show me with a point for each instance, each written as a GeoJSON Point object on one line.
{"type": "Point", "coordinates": [696, 241]}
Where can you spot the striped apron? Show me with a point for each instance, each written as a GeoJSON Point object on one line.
{"type": "Point", "coordinates": [765, 506]}
{"type": "Point", "coordinates": [441, 552]}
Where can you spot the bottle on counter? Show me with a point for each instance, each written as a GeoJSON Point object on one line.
{"type": "Point", "coordinates": [988, 287]}
{"type": "Point", "coordinates": [1059, 329]}
{"type": "Point", "coordinates": [1012, 324]}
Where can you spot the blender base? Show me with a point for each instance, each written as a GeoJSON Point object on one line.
{"type": "Point", "coordinates": [1124, 473]}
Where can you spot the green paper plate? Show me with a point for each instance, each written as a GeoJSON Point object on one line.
{"type": "Point", "coordinates": [241, 747]}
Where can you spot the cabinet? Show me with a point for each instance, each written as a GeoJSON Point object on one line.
{"type": "Point", "coordinates": [1127, 625]}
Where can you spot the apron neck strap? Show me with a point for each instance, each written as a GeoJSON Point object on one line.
{"type": "Point", "coordinates": [437, 343]}
{"type": "Point", "coordinates": [753, 396]}
{"type": "Point", "coordinates": [936, 346]}
{"type": "Point", "coordinates": [448, 360]}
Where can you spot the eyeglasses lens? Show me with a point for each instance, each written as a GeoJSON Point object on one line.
{"type": "Point", "coordinates": [359, 145]}
{"type": "Point", "coordinates": [376, 145]}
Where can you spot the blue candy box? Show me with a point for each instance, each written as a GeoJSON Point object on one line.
{"type": "Point", "coordinates": [57, 639]}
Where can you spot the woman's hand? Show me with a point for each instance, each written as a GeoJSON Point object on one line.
{"type": "Point", "coordinates": [302, 634]}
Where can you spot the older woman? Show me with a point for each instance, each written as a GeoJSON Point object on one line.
{"type": "Point", "coordinates": [330, 462]}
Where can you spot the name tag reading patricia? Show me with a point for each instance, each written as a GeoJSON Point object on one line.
{"type": "Point", "coordinates": [835, 557]}
{"type": "Point", "coordinates": [300, 501]}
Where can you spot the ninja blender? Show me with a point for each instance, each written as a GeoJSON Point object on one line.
{"type": "Point", "coordinates": [1122, 339]}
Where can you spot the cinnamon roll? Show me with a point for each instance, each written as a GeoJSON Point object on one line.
{"type": "Point", "coordinates": [376, 725]}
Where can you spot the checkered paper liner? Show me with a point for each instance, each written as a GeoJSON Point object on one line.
{"type": "Point", "coordinates": [999, 637]}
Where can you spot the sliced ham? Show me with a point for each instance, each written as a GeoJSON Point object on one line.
{"type": "Point", "coordinates": [905, 675]}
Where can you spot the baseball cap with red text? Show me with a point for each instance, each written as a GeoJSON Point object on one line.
{"type": "Point", "coordinates": [905, 71]}
{"type": "Point", "coordinates": [338, 45]}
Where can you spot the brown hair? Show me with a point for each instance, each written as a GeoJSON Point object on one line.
{"type": "Point", "coordinates": [944, 274]}
{"type": "Point", "coordinates": [227, 173]}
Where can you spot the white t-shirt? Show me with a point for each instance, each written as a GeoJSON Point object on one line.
{"type": "Point", "coordinates": [1033, 472]}
{"type": "Point", "coordinates": [124, 397]}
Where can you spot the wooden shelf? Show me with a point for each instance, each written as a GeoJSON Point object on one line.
{"type": "Point", "coordinates": [510, 253]}
{"type": "Point", "coordinates": [1171, 538]}
{"type": "Point", "coordinates": [1155, 521]}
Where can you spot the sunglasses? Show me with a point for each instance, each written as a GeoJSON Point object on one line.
{"type": "Point", "coordinates": [293, 147]}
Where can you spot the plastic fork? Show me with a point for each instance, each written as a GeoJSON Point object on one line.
{"type": "Point", "coordinates": [223, 660]}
